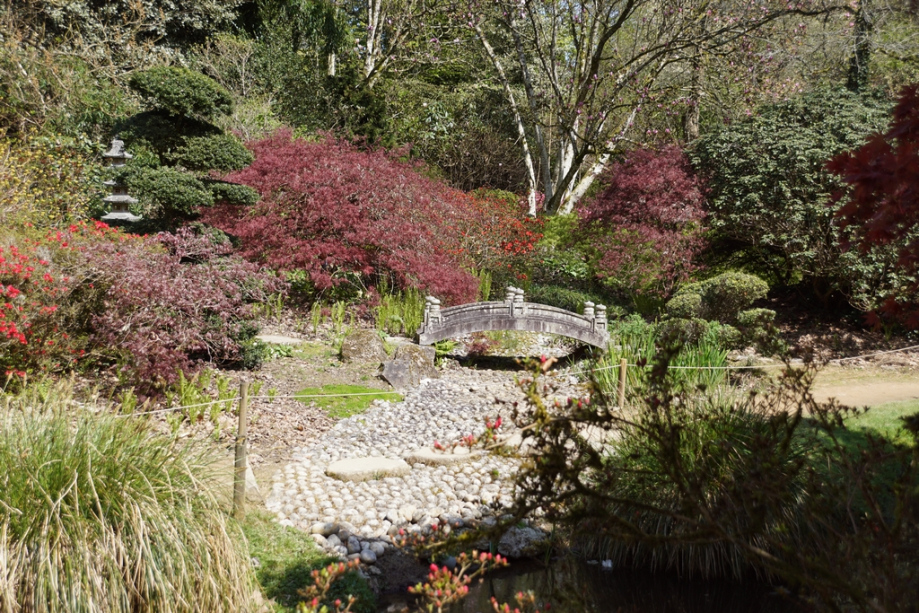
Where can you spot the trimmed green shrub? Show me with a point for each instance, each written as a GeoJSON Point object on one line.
{"type": "Point", "coordinates": [565, 298]}
{"type": "Point", "coordinates": [182, 91]}
{"type": "Point", "coordinates": [167, 192]}
{"type": "Point", "coordinates": [694, 331]}
{"type": "Point", "coordinates": [176, 131]}
{"type": "Point", "coordinates": [754, 318]}
{"type": "Point", "coordinates": [212, 152]}
{"type": "Point", "coordinates": [720, 298]}
{"type": "Point", "coordinates": [684, 305]}
{"type": "Point", "coordinates": [232, 193]}
{"type": "Point", "coordinates": [161, 132]}
{"type": "Point", "coordinates": [757, 329]}
{"type": "Point", "coordinates": [102, 514]}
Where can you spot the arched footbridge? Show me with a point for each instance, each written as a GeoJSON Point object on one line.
{"type": "Point", "coordinates": [512, 314]}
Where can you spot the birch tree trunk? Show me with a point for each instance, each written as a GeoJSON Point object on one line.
{"type": "Point", "coordinates": [596, 169]}
{"type": "Point", "coordinates": [518, 119]}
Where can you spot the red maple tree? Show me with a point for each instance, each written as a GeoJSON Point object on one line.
{"type": "Point", "coordinates": [646, 226]}
{"type": "Point", "coordinates": [882, 202]}
{"type": "Point", "coordinates": [336, 210]}
{"type": "Point", "coordinates": [328, 207]}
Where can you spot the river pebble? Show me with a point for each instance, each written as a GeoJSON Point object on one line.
{"type": "Point", "coordinates": [355, 519]}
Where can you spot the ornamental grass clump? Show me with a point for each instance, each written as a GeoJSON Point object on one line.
{"type": "Point", "coordinates": [99, 514]}
{"type": "Point", "coordinates": [719, 437]}
{"type": "Point", "coordinates": [702, 481]}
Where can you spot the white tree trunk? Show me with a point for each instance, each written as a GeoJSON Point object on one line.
{"type": "Point", "coordinates": [521, 130]}
{"type": "Point", "coordinates": [531, 99]}
{"type": "Point", "coordinates": [374, 32]}
{"type": "Point", "coordinates": [598, 167]}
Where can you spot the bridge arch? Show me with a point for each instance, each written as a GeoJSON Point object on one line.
{"type": "Point", "coordinates": [513, 314]}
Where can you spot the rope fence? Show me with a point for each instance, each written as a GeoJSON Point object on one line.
{"type": "Point", "coordinates": [744, 367]}
{"type": "Point", "coordinates": [272, 397]}
{"type": "Point", "coordinates": [241, 465]}
{"type": "Point", "coordinates": [263, 397]}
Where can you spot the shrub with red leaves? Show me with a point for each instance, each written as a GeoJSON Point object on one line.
{"type": "Point", "coordinates": [332, 209]}
{"type": "Point", "coordinates": [37, 299]}
{"type": "Point", "coordinates": [492, 229]}
{"type": "Point", "coordinates": [49, 296]}
{"type": "Point", "coordinates": [645, 228]}
{"type": "Point", "coordinates": [172, 302]}
{"type": "Point", "coordinates": [883, 199]}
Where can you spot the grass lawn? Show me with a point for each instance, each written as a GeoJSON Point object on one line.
{"type": "Point", "coordinates": [340, 407]}
{"type": "Point", "coordinates": [287, 556]}
{"type": "Point", "coordinates": [885, 419]}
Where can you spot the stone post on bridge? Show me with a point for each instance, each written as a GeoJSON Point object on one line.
{"type": "Point", "coordinates": [432, 315]}
{"type": "Point", "coordinates": [519, 305]}
{"type": "Point", "coordinates": [600, 318]}
{"type": "Point", "coordinates": [596, 314]}
{"type": "Point", "coordinates": [513, 296]}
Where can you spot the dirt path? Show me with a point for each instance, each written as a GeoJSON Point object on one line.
{"type": "Point", "coordinates": [867, 386]}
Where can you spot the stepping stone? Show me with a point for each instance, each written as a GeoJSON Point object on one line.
{"type": "Point", "coordinates": [275, 339]}
{"type": "Point", "coordinates": [435, 457]}
{"type": "Point", "coordinates": [367, 469]}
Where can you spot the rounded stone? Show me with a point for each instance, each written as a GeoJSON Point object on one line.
{"type": "Point", "coordinates": [323, 528]}
{"type": "Point", "coordinates": [354, 545]}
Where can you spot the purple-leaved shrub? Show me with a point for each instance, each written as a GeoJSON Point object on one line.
{"type": "Point", "coordinates": [172, 302]}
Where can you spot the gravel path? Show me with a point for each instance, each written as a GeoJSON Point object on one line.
{"type": "Point", "coordinates": [367, 513]}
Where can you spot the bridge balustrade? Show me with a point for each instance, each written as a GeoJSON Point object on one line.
{"type": "Point", "coordinates": [514, 313]}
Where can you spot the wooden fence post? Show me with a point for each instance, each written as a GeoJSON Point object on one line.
{"type": "Point", "coordinates": [239, 477]}
{"type": "Point", "coordinates": [623, 368]}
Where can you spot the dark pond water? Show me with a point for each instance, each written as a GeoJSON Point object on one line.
{"type": "Point", "coordinates": [575, 587]}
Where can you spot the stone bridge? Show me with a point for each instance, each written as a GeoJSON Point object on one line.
{"type": "Point", "coordinates": [513, 314]}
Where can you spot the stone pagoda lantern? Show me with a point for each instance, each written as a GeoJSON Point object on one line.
{"type": "Point", "coordinates": [119, 200]}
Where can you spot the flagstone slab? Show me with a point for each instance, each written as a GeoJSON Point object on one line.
{"type": "Point", "coordinates": [367, 469]}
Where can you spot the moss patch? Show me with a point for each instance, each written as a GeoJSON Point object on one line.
{"type": "Point", "coordinates": [333, 400]}
{"type": "Point", "coordinates": [307, 350]}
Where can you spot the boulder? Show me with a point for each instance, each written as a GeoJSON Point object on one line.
{"type": "Point", "coordinates": [362, 345]}
{"type": "Point", "coordinates": [399, 374]}
{"type": "Point", "coordinates": [521, 542]}
{"type": "Point", "coordinates": [409, 366]}
{"type": "Point", "coordinates": [422, 358]}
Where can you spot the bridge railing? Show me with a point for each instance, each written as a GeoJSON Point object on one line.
{"type": "Point", "coordinates": [514, 313]}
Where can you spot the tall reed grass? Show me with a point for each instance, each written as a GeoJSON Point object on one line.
{"type": "Point", "coordinates": [100, 514]}
{"type": "Point", "coordinates": [699, 362]}
{"type": "Point", "coordinates": [400, 313]}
